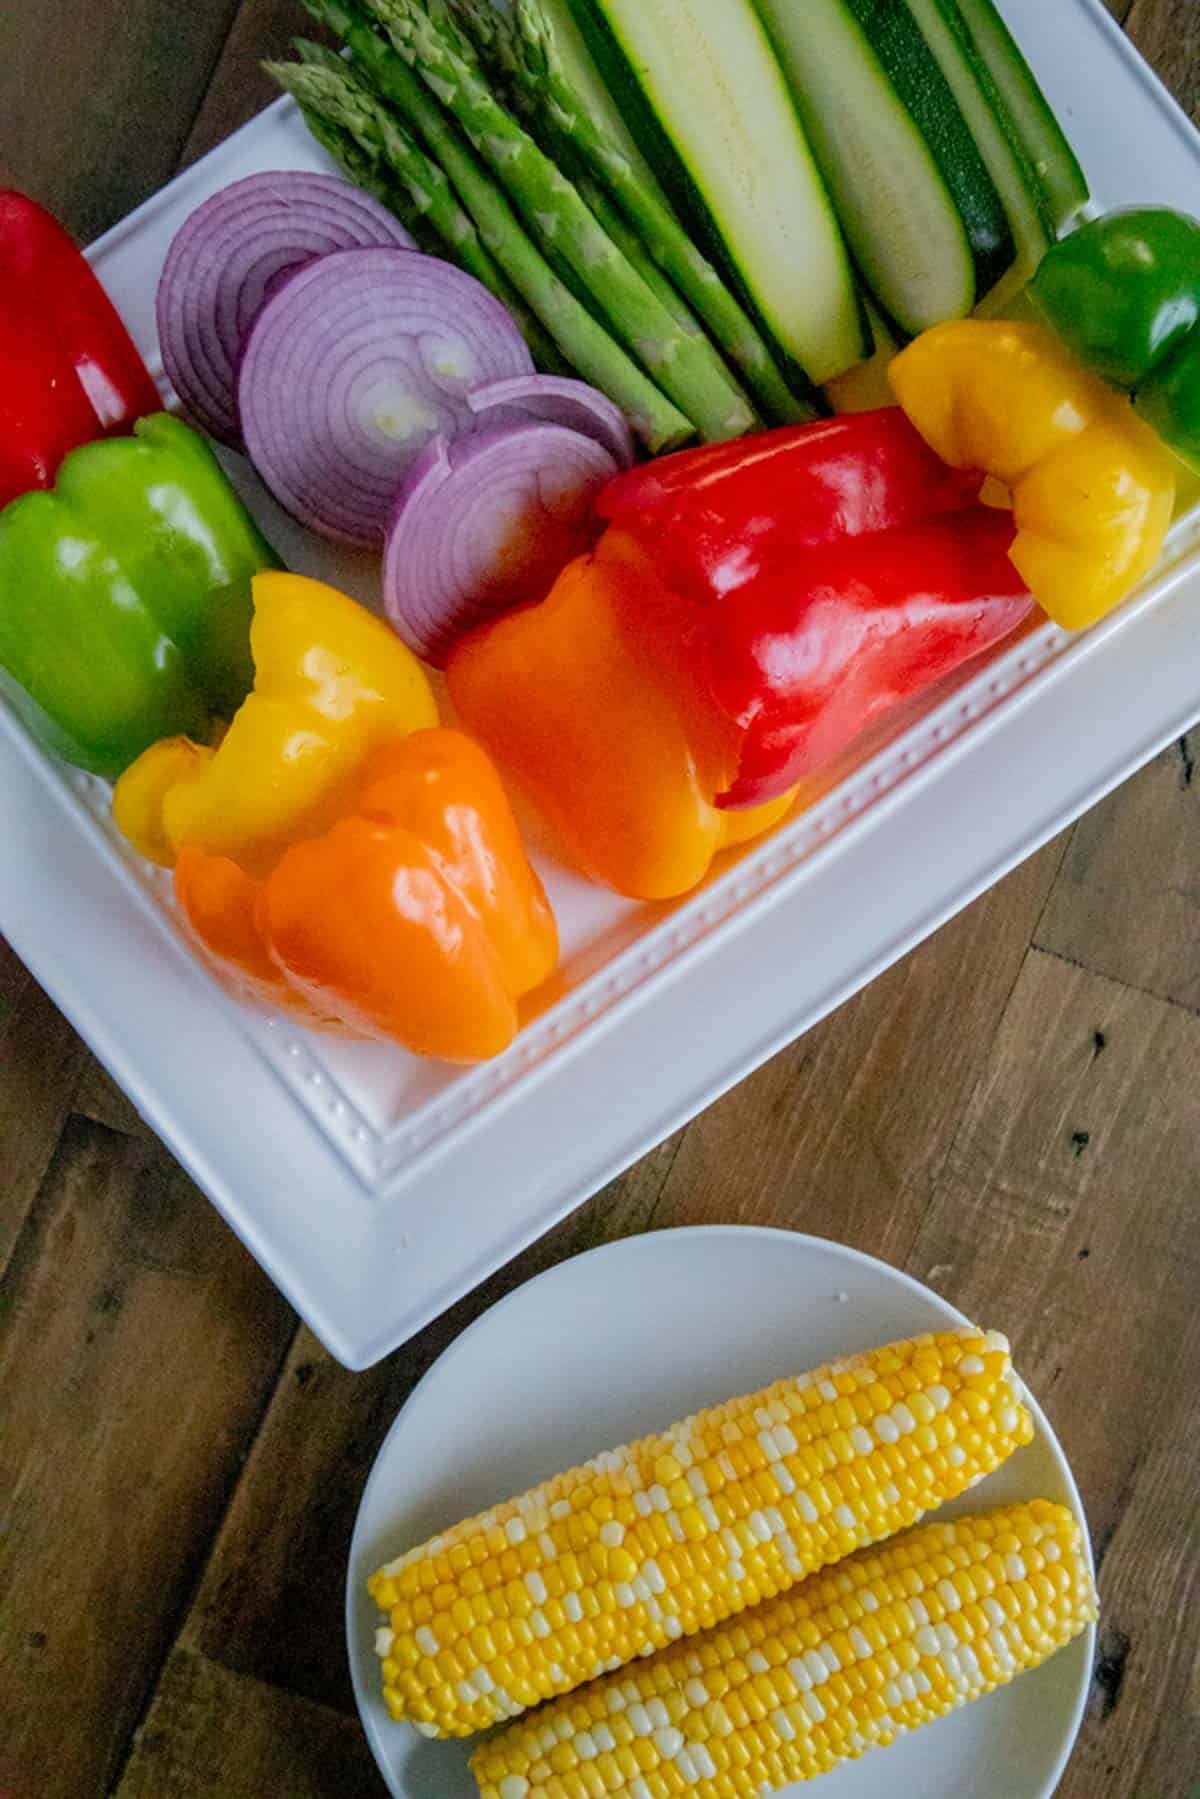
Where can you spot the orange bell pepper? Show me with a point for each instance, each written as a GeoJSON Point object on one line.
{"type": "Point", "coordinates": [416, 916]}
{"type": "Point", "coordinates": [622, 751]}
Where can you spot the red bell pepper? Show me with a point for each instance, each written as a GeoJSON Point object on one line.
{"type": "Point", "coordinates": [723, 514]}
{"type": "Point", "coordinates": [69, 371]}
{"type": "Point", "coordinates": [823, 573]}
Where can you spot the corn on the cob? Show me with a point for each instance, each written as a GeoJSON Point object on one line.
{"type": "Point", "coordinates": [886, 1641]}
{"type": "Point", "coordinates": [673, 1534]}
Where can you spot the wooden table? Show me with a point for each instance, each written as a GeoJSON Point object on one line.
{"type": "Point", "coordinates": [1013, 1114]}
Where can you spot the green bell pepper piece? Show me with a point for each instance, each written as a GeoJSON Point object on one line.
{"type": "Point", "coordinates": [1169, 401]}
{"type": "Point", "coordinates": [1123, 292]}
{"type": "Point", "coordinates": [125, 597]}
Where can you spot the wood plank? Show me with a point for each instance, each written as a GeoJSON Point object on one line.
{"type": "Point", "coordinates": [97, 107]}
{"type": "Point", "coordinates": [140, 1344]}
{"type": "Point", "coordinates": [239, 88]}
{"type": "Point", "coordinates": [41, 1061]}
{"type": "Point", "coordinates": [98, 1096]}
{"type": "Point", "coordinates": [1142, 1712]}
{"type": "Point", "coordinates": [271, 1601]}
{"type": "Point", "coordinates": [1058, 1220]}
{"type": "Point", "coordinates": [1167, 34]}
{"type": "Point", "coordinates": [1127, 899]}
{"type": "Point", "coordinates": [844, 1132]}
{"type": "Point", "coordinates": [211, 1732]}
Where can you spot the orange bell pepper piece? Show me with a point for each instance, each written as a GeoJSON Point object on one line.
{"type": "Point", "coordinates": [619, 747]}
{"type": "Point", "coordinates": [415, 917]}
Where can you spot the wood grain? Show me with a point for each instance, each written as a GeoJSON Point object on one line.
{"type": "Point", "coordinates": [1060, 1215]}
{"type": "Point", "coordinates": [272, 1599]}
{"type": "Point", "coordinates": [41, 1062]}
{"type": "Point", "coordinates": [98, 100]}
{"type": "Point", "coordinates": [1166, 33]}
{"type": "Point", "coordinates": [216, 1735]}
{"type": "Point", "coordinates": [1148, 935]}
{"type": "Point", "coordinates": [139, 1343]}
{"type": "Point", "coordinates": [1011, 1113]}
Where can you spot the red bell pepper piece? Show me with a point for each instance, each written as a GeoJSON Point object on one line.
{"type": "Point", "coordinates": [822, 574]}
{"type": "Point", "coordinates": [720, 515]}
{"type": "Point", "coordinates": [806, 662]}
{"type": "Point", "coordinates": [69, 371]}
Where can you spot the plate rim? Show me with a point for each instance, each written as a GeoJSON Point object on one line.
{"type": "Point", "coordinates": [805, 1242]}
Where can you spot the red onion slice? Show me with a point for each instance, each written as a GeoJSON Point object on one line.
{"type": "Point", "coordinates": [349, 370]}
{"type": "Point", "coordinates": [230, 255]}
{"type": "Point", "coordinates": [485, 524]}
{"type": "Point", "coordinates": [558, 400]}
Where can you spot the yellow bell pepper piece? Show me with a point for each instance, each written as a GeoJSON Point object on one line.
{"type": "Point", "coordinates": [1092, 488]}
{"type": "Point", "coordinates": [331, 682]}
{"type": "Point", "coordinates": [139, 794]}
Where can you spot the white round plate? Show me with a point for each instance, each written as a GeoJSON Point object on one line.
{"type": "Point", "coordinates": [625, 1340]}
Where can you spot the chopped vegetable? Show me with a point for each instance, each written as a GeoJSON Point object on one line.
{"type": "Point", "coordinates": [557, 402]}
{"type": "Point", "coordinates": [484, 524]}
{"type": "Point", "coordinates": [675, 1533]}
{"type": "Point", "coordinates": [125, 596]}
{"type": "Point", "coordinates": [889, 1640]}
{"type": "Point", "coordinates": [1092, 489]}
{"type": "Point", "coordinates": [1123, 292]}
{"type": "Point", "coordinates": [527, 41]}
{"type": "Point", "coordinates": [352, 367]}
{"type": "Point", "coordinates": [751, 611]}
{"type": "Point", "coordinates": [586, 344]}
{"type": "Point", "coordinates": [415, 917]}
{"type": "Point", "coordinates": [69, 371]}
{"type": "Point", "coordinates": [712, 113]}
{"type": "Point", "coordinates": [331, 93]}
{"type": "Point", "coordinates": [997, 142]}
{"type": "Point", "coordinates": [625, 758]}
{"type": "Point", "coordinates": [331, 682]}
{"type": "Point", "coordinates": [1062, 181]}
{"type": "Point", "coordinates": [230, 255]}
{"type": "Point", "coordinates": [924, 222]}
{"type": "Point", "coordinates": [684, 366]}
{"type": "Point", "coordinates": [835, 569]}
{"type": "Point", "coordinates": [719, 517]}
{"type": "Point", "coordinates": [1169, 401]}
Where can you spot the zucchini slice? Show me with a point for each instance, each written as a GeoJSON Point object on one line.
{"type": "Point", "coordinates": [1063, 183]}
{"type": "Point", "coordinates": [999, 142]}
{"type": "Point", "coordinates": [919, 77]}
{"type": "Point", "coordinates": [907, 235]}
{"type": "Point", "coordinates": [699, 87]}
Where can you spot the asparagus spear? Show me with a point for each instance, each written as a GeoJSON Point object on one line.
{"type": "Point", "coordinates": [328, 90]}
{"type": "Point", "coordinates": [687, 368]}
{"type": "Point", "coordinates": [595, 355]}
{"type": "Point", "coordinates": [632, 247]}
{"type": "Point", "coordinates": [521, 40]}
{"type": "Point", "coordinates": [493, 40]}
{"type": "Point", "coordinates": [363, 170]}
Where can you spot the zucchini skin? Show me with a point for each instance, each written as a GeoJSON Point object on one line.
{"type": "Point", "coordinates": [923, 90]}
{"type": "Point", "coordinates": [676, 180]}
{"type": "Point", "coordinates": [1060, 175]}
{"type": "Point", "coordinates": [877, 166]}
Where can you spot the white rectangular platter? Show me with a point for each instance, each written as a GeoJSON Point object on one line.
{"type": "Point", "coordinates": [376, 1188]}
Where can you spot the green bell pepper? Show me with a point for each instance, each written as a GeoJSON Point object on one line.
{"type": "Point", "coordinates": [125, 597]}
{"type": "Point", "coordinates": [1123, 292]}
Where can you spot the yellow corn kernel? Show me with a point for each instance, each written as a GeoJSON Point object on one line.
{"type": "Point", "coordinates": [674, 1534]}
{"type": "Point", "coordinates": [788, 1713]}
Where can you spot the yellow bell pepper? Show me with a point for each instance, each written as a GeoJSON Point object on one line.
{"type": "Point", "coordinates": [331, 683]}
{"type": "Point", "coordinates": [1092, 488]}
